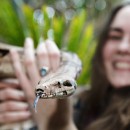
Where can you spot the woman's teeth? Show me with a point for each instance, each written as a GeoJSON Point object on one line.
{"type": "Point", "coordinates": [122, 65]}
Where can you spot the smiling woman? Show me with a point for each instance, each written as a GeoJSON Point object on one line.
{"type": "Point", "coordinates": [109, 96]}
{"type": "Point", "coordinates": [106, 106]}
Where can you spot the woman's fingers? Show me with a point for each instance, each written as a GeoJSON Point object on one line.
{"type": "Point", "coordinates": [20, 74]}
{"type": "Point", "coordinates": [13, 106]}
{"type": "Point", "coordinates": [48, 55]}
{"type": "Point", "coordinates": [30, 62]}
{"type": "Point", "coordinates": [15, 116]}
{"type": "Point", "coordinates": [11, 94]}
{"type": "Point", "coordinates": [42, 56]}
{"type": "Point", "coordinates": [54, 54]}
{"type": "Point", "coordinates": [5, 83]}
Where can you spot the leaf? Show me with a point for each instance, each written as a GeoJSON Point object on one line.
{"type": "Point", "coordinates": [75, 31]}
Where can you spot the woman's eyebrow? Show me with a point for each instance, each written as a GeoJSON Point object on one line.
{"type": "Point", "coordinates": [115, 29]}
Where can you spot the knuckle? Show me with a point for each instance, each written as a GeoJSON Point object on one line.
{"type": "Point", "coordinates": [42, 54]}
{"type": "Point", "coordinates": [55, 54]}
{"type": "Point", "coordinates": [7, 93]}
{"type": "Point", "coordinates": [29, 62]}
{"type": "Point", "coordinates": [9, 106]}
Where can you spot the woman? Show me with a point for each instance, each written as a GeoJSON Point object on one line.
{"type": "Point", "coordinates": [107, 104]}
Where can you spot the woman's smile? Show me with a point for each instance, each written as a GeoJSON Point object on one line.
{"type": "Point", "coordinates": [121, 65]}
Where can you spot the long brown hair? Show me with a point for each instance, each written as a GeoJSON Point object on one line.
{"type": "Point", "coordinates": [101, 91]}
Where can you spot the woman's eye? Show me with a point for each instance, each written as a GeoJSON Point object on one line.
{"type": "Point", "coordinates": [114, 37]}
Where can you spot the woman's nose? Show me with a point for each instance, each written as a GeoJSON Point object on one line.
{"type": "Point", "coordinates": [124, 46]}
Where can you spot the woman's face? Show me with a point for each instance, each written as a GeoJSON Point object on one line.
{"type": "Point", "coordinates": [116, 52]}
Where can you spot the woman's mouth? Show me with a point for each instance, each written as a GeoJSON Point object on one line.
{"type": "Point", "coordinates": [122, 65]}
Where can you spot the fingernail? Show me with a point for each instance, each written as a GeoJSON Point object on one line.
{"type": "Point", "coordinates": [12, 51]}
{"type": "Point", "coordinates": [28, 41]}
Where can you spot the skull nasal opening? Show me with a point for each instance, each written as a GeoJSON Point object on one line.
{"type": "Point", "coordinates": [67, 83]}
{"type": "Point", "coordinates": [40, 90]}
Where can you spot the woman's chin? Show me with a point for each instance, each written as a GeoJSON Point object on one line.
{"type": "Point", "coordinates": [120, 84]}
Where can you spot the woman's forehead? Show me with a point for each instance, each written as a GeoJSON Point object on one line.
{"type": "Point", "coordinates": [122, 18]}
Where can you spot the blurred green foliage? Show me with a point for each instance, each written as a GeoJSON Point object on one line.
{"type": "Point", "coordinates": [76, 35]}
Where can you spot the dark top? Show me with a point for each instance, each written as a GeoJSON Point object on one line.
{"type": "Point", "coordinates": [79, 104]}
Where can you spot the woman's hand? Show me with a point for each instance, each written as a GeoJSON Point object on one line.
{"type": "Point", "coordinates": [47, 54]}
{"type": "Point", "coordinates": [13, 105]}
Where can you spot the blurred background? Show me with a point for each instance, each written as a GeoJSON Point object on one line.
{"type": "Point", "coordinates": [73, 24]}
